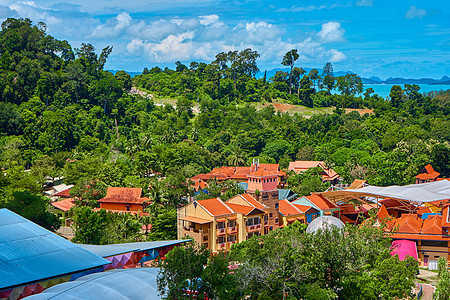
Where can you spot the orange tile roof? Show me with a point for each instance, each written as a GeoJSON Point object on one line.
{"type": "Point", "coordinates": [383, 213]}
{"type": "Point", "coordinates": [253, 202]}
{"type": "Point", "coordinates": [446, 217]}
{"type": "Point", "coordinates": [409, 223]}
{"type": "Point", "coordinates": [123, 195]}
{"type": "Point", "coordinates": [63, 194]}
{"type": "Point", "coordinates": [286, 208]}
{"type": "Point", "coordinates": [64, 205]}
{"type": "Point", "coordinates": [237, 173]}
{"type": "Point", "coordinates": [306, 208]}
{"type": "Point", "coordinates": [432, 225]}
{"type": "Point", "coordinates": [423, 210]}
{"type": "Point", "coordinates": [328, 174]}
{"type": "Point", "coordinates": [320, 201]}
{"type": "Point", "coordinates": [215, 207]}
{"type": "Point", "coordinates": [262, 172]}
{"type": "Point", "coordinates": [243, 209]}
{"type": "Point", "coordinates": [428, 173]}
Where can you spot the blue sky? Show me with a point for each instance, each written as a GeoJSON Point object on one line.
{"type": "Point", "coordinates": [370, 37]}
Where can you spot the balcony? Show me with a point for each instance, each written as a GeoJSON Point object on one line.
{"type": "Point", "coordinates": [231, 243]}
{"type": "Point", "coordinates": [232, 230]}
{"type": "Point", "coordinates": [266, 223]}
{"type": "Point", "coordinates": [198, 235]}
{"type": "Point", "coordinates": [222, 246]}
{"type": "Point", "coordinates": [253, 228]}
{"type": "Point", "coordinates": [221, 232]}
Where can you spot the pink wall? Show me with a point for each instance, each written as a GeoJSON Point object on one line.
{"type": "Point", "coordinates": [267, 183]}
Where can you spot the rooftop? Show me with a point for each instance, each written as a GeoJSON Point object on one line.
{"type": "Point", "coordinates": [124, 195]}
{"type": "Point", "coordinates": [30, 253]}
{"type": "Point", "coordinates": [215, 207]}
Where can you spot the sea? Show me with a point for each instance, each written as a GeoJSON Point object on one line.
{"type": "Point", "coordinates": [383, 90]}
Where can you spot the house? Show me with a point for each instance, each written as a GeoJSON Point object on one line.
{"type": "Point", "coordinates": [319, 202]}
{"type": "Point", "coordinates": [237, 173]}
{"type": "Point", "coordinates": [327, 174]}
{"type": "Point", "coordinates": [217, 225]}
{"type": "Point", "coordinates": [124, 199]}
{"type": "Point", "coordinates": [428, 174]}
{"type": "Point", "coordinates": [290, 212]}
{"type": "Point", "coordinates": [60, 190]}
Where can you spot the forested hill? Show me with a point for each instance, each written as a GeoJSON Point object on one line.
{"type": "Point", "coordinates": [61, 114]}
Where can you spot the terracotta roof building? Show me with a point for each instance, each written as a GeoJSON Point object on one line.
{"type": "Point", "coordinates": [427, 174]}
{"type": "Point", "coordinates": [327, 174]}
{"type": "Point", "coordinates": [123, 199]}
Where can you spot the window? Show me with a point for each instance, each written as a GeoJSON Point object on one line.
{"type": "Point", "coordinates": [231, 238]}
{"type": "Point", "coordinates": [253, 221]}
{"type": "Point", "coordinates": [127, 207]}
{"type": "Point", "coordinates": [271, 215]}
{"type": "Point", "coordinates": [276, 205]}
{"type": "Point", "coordinates": [221, 225]}
{"type": "Point", "coordinates": [231, 223]}
{"type": "Point", "coordinates": [222, 239]}
{"type": "Point", "coordinates": [276, 220]}
{"type": "Point", "coordinates": [435, 243]}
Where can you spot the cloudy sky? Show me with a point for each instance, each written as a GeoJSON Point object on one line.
{"type": "Point", "coordinates": [401, 38]}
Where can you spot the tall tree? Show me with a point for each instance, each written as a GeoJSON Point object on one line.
{"type": "Point", "coordinates": [289, 60]}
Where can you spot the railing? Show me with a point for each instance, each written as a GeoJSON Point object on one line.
{"type": "Point", "coordinates": [232, 230]}
{"type": "Point", "coordinates": [222, 246]}
{"type": "Point", "coordinates": [258, 227]}
{"type": "Point", "coordinates": [252, 228]}
{"type": "Point", "coordinates": [231, 243]}
{"type": "Point", "coordinates": [221, 231]}
{"type": "Point", "coordinates": [266, 223]}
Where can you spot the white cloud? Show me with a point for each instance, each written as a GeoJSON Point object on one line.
{"type": "Point", "coordinates": [29, 9]}
{"type": "Point", "coordinates": [113, 27]}
{"type": "Point", "coordinates": [415, 12]}
{"type": "Point", "coordinates": [364, 3]}
{"type": "Point", "coordinates": [208, 20]}
{"type": "Point", "coordinates": [331, 32]}
{"type": "Point", "coordinates": [336, 56]}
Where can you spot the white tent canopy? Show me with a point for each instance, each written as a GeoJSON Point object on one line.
{"type": "Point", "coordinates": [423, 192]}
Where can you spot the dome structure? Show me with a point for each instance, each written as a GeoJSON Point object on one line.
{"type": "Point", "coordinates": [324, 222]}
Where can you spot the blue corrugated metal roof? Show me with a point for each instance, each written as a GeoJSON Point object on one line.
{"type": "Point", "coordinates": [139, 283]}
{"type": "Point", "coordinates": [30, 253]}
{"type": "Point", "coordinates": [116, 249]}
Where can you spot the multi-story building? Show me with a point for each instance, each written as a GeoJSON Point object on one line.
{"type": "Point", "coordinates": [217, 224]}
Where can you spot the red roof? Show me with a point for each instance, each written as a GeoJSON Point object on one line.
{"type": "Point", "coordinates": [63, 194]}
{"type": "Point", "coordinates": [237, 173]}
{"type": "Point", "coordinates": [124, 195]}
{"type": "Point", "coordinates": [253, 202]}
{"type": "Point", "coordinates": [242, 209]}
{"type": "Point", "coordinates": [320, 202]}
{"type": "Point", "coordinates": [446, 217]}
{"type": "Point", "coordinates": [409, 223]}
{"type": "Point", "coordinates": [432, 225]}
{"type": "Point", "coordinates": [305, 208]}
{"type": "Point", "coordinates": [215, 207]}
{"type": "Point", "coordinates": [64, 205]}
{"type": "Point", "coordinates": [428, 173]}
{"type": "Point", "coordinates": [298, 166]}
{"type": "Point", "coordinates": [286, 208]}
